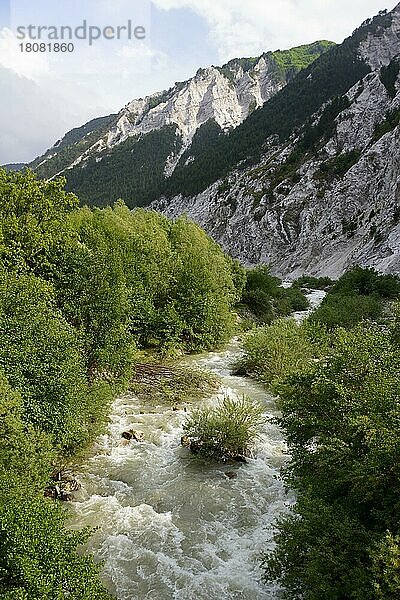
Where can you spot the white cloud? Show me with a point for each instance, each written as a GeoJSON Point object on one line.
{"type": "Point", "coordinates": [28, 64]}
{"type": "Point", "coordinates": [133, 56]}
{"type": "Point", "coordinates": [250, 27]}
{"type": "Point", "coordinates": [66, 91]}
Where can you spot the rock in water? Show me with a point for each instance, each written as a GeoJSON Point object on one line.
{"type": "Point", "coordinates": [133, 434]}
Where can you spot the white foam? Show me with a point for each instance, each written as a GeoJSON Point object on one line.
{"type": "Point", "coordinates": [171, 527]}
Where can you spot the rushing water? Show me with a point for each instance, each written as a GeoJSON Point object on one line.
{"type": "Point", "coordinates": [171, 527]}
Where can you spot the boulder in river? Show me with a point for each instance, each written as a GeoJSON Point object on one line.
{"type": "Point", "coordinates": [63, 487]}
{"type": "Point", "coordinates": [133, 434]}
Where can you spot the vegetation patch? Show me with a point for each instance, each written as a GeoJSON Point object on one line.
{"type": "Point", "coordinates": [337, 166]}
{"type": "Point", "coordinates": [391, 121]}
{"type": "Point", "coordinates": [341, 420]}
{"type": "Point", "coordinates": [82, 293]}
{"type": "Point", "coordinates": [313, 283]}
{"type": "Point", "coordinates": [225, 432]}
{"type": "Point", "coordinates": [292, 61]}
{"type": "Point", "coordinates": [275, 351]}
{"type": "Point", "coordinates": [173, 384]}
{"type": "Point", "coordinates": [267, 299]}
{"type": "Point", "coordinates": [360, 294]}
{"type": "Point", "coordinates": [389, 76]}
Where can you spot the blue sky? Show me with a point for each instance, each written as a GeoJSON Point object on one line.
{"type": "Point", "coordinates": [48, 95]}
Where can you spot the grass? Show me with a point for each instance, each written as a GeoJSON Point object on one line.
{"type": "Point", "coordinates": [227, 431]}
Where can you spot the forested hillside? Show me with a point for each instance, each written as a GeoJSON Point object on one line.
{"type": "Point", "coordinates": [132, 154]}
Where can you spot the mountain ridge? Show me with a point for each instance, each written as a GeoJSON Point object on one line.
{"type": "Point", "coordinates": [309, 181]}
{"type": "Point", "coordinates": [328, 196]}
{"type": "Point", "coordinates": [225, 95]}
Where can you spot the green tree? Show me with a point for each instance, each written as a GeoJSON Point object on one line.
{"type": "Point", "coordinates": [41, 356]}
{"type": "Point", "coordinates": [33, 220]}
{"type": "Point", "coordinates": [342, 423]}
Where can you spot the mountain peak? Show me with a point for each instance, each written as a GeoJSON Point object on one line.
{"type": "Point", "coordinates": [223, 95]}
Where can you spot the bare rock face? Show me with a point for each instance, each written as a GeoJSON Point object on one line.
{"type": "Point", "coordinates": [340, 206]}
{"type": "Point", "coordinates": [226, 95]}
{"type": "Point", "coordinates": [379, 49]}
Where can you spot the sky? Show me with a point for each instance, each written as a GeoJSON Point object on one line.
{"type": "Point", "coordinates": [45, 94]}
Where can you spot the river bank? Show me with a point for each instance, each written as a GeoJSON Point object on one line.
{"type": "Point", "coordinates": [172, 526]}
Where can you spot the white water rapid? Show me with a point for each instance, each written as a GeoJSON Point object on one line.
{"type": "Point", "coordinates": [172, 527]}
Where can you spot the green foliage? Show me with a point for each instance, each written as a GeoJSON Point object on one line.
{"type": "Point", "coordinates": [386, 567]}
{"type": "Point", "coordinates": [366, 281]}
{"type": "Point", "coordinates": [261, 278]}
{"type": "Point", "coordinates": [320, 553]}
{"type": "Point", "coordinates": [357, 295]}
{"type": "Point", "coordinates": [38, 557]}
{"type": "Point", "coordinates": [391, 121]}
{"type": "Point", "coordinates": [289, 300]}
{"type": "Point", "coordinates": [313, 283]}
{"type": "Point", "coordinates": [228, 430]}
{"type": "Point", "coordinates": [40, 355]}
{"type": "Point", "coordinates": [341, 420]}
{"type": "Point", "coordinates": [24, 451]}
{"type": "Point", "coordinates": [277, 350]}
{"type": "Point", "coordinates": [292, 61]}
{"type": "Point", "coordinates": [33, 219]}
{"type": "Point", "coordinates": [204, 289]}
{"type": "Point", "coordinates": [260, 288]}
{"type": "Point", "coordinates": [90, 284]}
{"type": "Point", "coordinates": [338, 165]}
{"type": "Point", "coordinates": [267, 299]}
{"type": "Point", "coordinates": [134, 170]}
{"type": "Point", "coordinates": [80, 289]}
{"type": "Point", "coordinates": [389, 75]}
{"type": "Point", "coordinates": [338, 310]}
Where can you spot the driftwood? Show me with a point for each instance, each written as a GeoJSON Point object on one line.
{"type": "Point", "coordinates": [149, 373]}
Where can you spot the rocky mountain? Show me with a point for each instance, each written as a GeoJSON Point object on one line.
{"type": "Point", "coordinates": [290, 159]}
{"type": "Point", "coordinates": [310, 182]}
{"type": "Point", "coordinates": [133, 154]}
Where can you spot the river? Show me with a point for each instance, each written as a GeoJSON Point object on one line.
{"type": "Point", "coordinates": [173, 527]}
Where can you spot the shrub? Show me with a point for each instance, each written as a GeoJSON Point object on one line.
{"type": "Point", "coordinates": [39, 558]}
{"type": "Point", "coordinates": [259, 303]}
{"type": "Point", "coordinates": [338, 310]}
{"type": "Point", "coordinates": [366, 282]}
{"type": "Point", "coordinates": [295, 299]}
{"type": "Point", "coordinates": [341, 421]}
{"type": "Point", "coordinates": [227, 430]}
{"type": "Point", "coordinates": [275, 351]}
{"type": "Point", "coordinates": [357, 295]}
{"type": "Point", "coordinates": [267, 299]}
{"type": "Point", "coordinates": [314, 283]}
{"type": "Point", "coordinates": [41, 357]}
